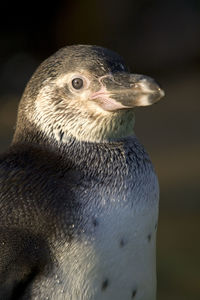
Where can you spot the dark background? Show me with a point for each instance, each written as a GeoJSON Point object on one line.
{"type": "Point", "coordinates": [157, 38]}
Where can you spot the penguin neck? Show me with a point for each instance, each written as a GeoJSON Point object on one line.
{"type": "Point", "coordinates": [106, 138]}
{"type": "Point", "coordinates": [97, 159]}
{"type": "Point", "coordinates": [74, 150]}
{"type": "Point", "coordinates": [67, 143]}
{"type": "Point", "coordinates": [100, 129]}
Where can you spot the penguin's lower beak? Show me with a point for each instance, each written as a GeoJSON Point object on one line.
{"type": "Point", "coordinates": [126, 91]}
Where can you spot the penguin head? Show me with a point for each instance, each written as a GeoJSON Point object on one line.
{"type": "Point", "coordinates": [85, 92]}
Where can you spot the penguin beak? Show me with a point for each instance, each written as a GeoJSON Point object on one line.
{"type": "Point", "coordinates": [126, 91]}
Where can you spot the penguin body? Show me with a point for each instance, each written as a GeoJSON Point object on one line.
{"type": "Point", "coordinates": [78, 202]}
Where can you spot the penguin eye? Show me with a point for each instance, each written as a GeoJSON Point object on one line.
{"type": "Point", "coordinates": [77, 83]}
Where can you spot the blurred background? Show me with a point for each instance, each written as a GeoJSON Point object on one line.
{"type": "Point", "coordinates": [157, 38]}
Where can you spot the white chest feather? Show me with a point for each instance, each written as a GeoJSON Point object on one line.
{"type": "Point", "coordinates": [118, 263]}
{"type": "Point", "coordinates": [116, 260]}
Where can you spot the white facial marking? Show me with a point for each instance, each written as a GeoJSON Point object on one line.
{"type": "Point", "coordinates": [41, 102]}
{"type": "Point", "coordinates": [62, 80]}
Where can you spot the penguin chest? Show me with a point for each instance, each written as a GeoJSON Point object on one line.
{"type": "Point", "coordinates": [114, 257]}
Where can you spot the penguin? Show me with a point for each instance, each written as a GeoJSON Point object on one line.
{"type": "Point", "coordinates": [78, 193]}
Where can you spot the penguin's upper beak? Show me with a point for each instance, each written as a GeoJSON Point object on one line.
{"type": "Point", "coordinates": [126, 91]}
